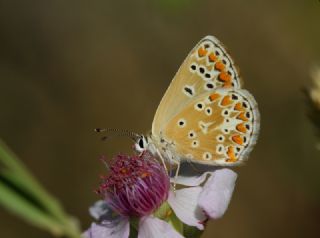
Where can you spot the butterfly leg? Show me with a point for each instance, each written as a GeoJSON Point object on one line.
{"type": "Point", "coordinates": [177, 162]}
{"type": "Point", "coordinates": [162, 160]}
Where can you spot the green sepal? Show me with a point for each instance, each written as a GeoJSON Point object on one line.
{"type": "Point", "coordinates": [166, 213]}
{"type": "Point", "coordinates": [191, 232]}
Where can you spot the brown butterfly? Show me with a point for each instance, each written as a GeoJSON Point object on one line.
{"type": "Point", "coordinates": [205, 116]}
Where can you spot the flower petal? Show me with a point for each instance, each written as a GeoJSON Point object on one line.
{"type": "Point", "coordinates": [118, 228]}
{"type": "Point", "coordinates": [152, 227]}
{"type": "Point", "coordinates": [191, 180]}
{"type": "Point", "coordinates": [217, 192]}
{"type": "Point", "coordinates": [184, 203]}
{"type": "Point", "coordinates": [100, 210]}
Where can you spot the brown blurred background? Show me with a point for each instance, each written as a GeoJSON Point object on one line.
{"type": "Point", "coordinates": [67, 67]}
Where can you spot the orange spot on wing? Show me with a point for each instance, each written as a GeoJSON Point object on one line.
{"type": "Point", "coordinates": [214, 96]}
{"type": "Point", "coordinates": [242, 117]}
{"type": "Point", "coordinates": [239, 107]}
{"type": "Point", "coordinates": [241, 127]}
{"type": "Point", "coordinates": [224, 77]}
{"type": "Point", "coordinates": [231, 155]}
{"type": "Point", "coordinates": [227, 85]}
{"type": "Point", "coordinates": [237, 139]}
{"type": "Point", "coordinates": [202, 52]}
{"type": "Point", "coordinates": [212, 57]}
{"type": "Point", "coordinates": [226, 100]}
{"type": "Point", "coordinates": [219, 66]}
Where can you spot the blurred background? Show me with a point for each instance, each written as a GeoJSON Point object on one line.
{"type": "Point", "coordinates": [67, 67]}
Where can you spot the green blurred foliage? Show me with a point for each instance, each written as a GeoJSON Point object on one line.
{"type": "Point", "coordinates": [21, 194]}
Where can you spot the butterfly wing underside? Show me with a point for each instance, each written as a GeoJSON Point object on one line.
{"type": "Point", "coordinates": [208, 66]}
{"type": "Point", "coordinates": [218, 127]}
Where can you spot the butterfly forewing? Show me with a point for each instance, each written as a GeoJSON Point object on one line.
{"type": "Point", "coordinates": [218, 127]}
{"type": "Point", "coordinates": [207, 67]}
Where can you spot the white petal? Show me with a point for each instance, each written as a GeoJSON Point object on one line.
{"type": "Point", "coordinates": [101, 211]}
{"type": "Point", "coordinates": [152, 227]}
{"type": "Point", "coordinates": [191, 180]}
{"type": "Point", "coordinates": [217, 192]}
{"type": "Point", "coordinates": [184, 203]}
{"type": "Point", "coordinates": [115, 229]}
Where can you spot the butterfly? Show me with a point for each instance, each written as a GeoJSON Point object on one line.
{"type": "Point", "coordinates": [205, 116]}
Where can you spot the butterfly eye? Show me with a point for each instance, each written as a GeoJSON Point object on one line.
{"type": "Point", "coordinates": [141, 144]}
{"type": "Point", "coordinates": [199, 106]}
{"type": "Point", "coordinates": [182, 123]}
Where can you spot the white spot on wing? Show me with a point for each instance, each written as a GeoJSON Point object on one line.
{"type": "Point", "coordinates": [192, 134]}
{"type": "Point", "coordinates": [195, 144]}
{"type": "Point", "coordinates": [182, 123]}
{"type": "Point", "coordinates": [204, 126]}
{"type": "Point", "coordinates": [188, 90]}
{"type": "Point", "coordinates": [220, 138]}
{"type": "Point", "coordinates": [208, 111]}
{"type": "Point", "coordinates": [199, 106]}
{"type": "Point", "coordinates": [207, 156]}
{"type": "Point", "coordinates": [220, 149]}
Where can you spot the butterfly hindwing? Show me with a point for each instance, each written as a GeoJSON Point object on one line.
{"type": "Point", "coordinates": [207, 67]}
{"type": "Point", "coordinates": [218, 127]}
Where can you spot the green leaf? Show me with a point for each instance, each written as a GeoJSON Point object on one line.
{"type": "Point", "coordinates": [24, 209]}
{"type": "Point", "coordinates": [23, 195]}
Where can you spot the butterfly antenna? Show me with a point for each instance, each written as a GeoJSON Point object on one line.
{"type": "Point", "coordinates": [111, 132]}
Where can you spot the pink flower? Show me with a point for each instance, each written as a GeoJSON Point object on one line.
{"type": "Point", "coordinates": [137, 186]}
{"type": "Point", "coordinates": [208, 193]}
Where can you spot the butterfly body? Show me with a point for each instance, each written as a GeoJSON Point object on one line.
{"type": "Point", "coordinates": [205, 116]}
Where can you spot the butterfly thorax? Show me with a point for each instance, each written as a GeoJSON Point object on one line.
{"type": "Point", "coordinates": [161, 147]}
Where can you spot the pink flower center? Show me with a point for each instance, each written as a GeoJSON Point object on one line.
{"type": "Point", "coordinates": [136, 186]}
